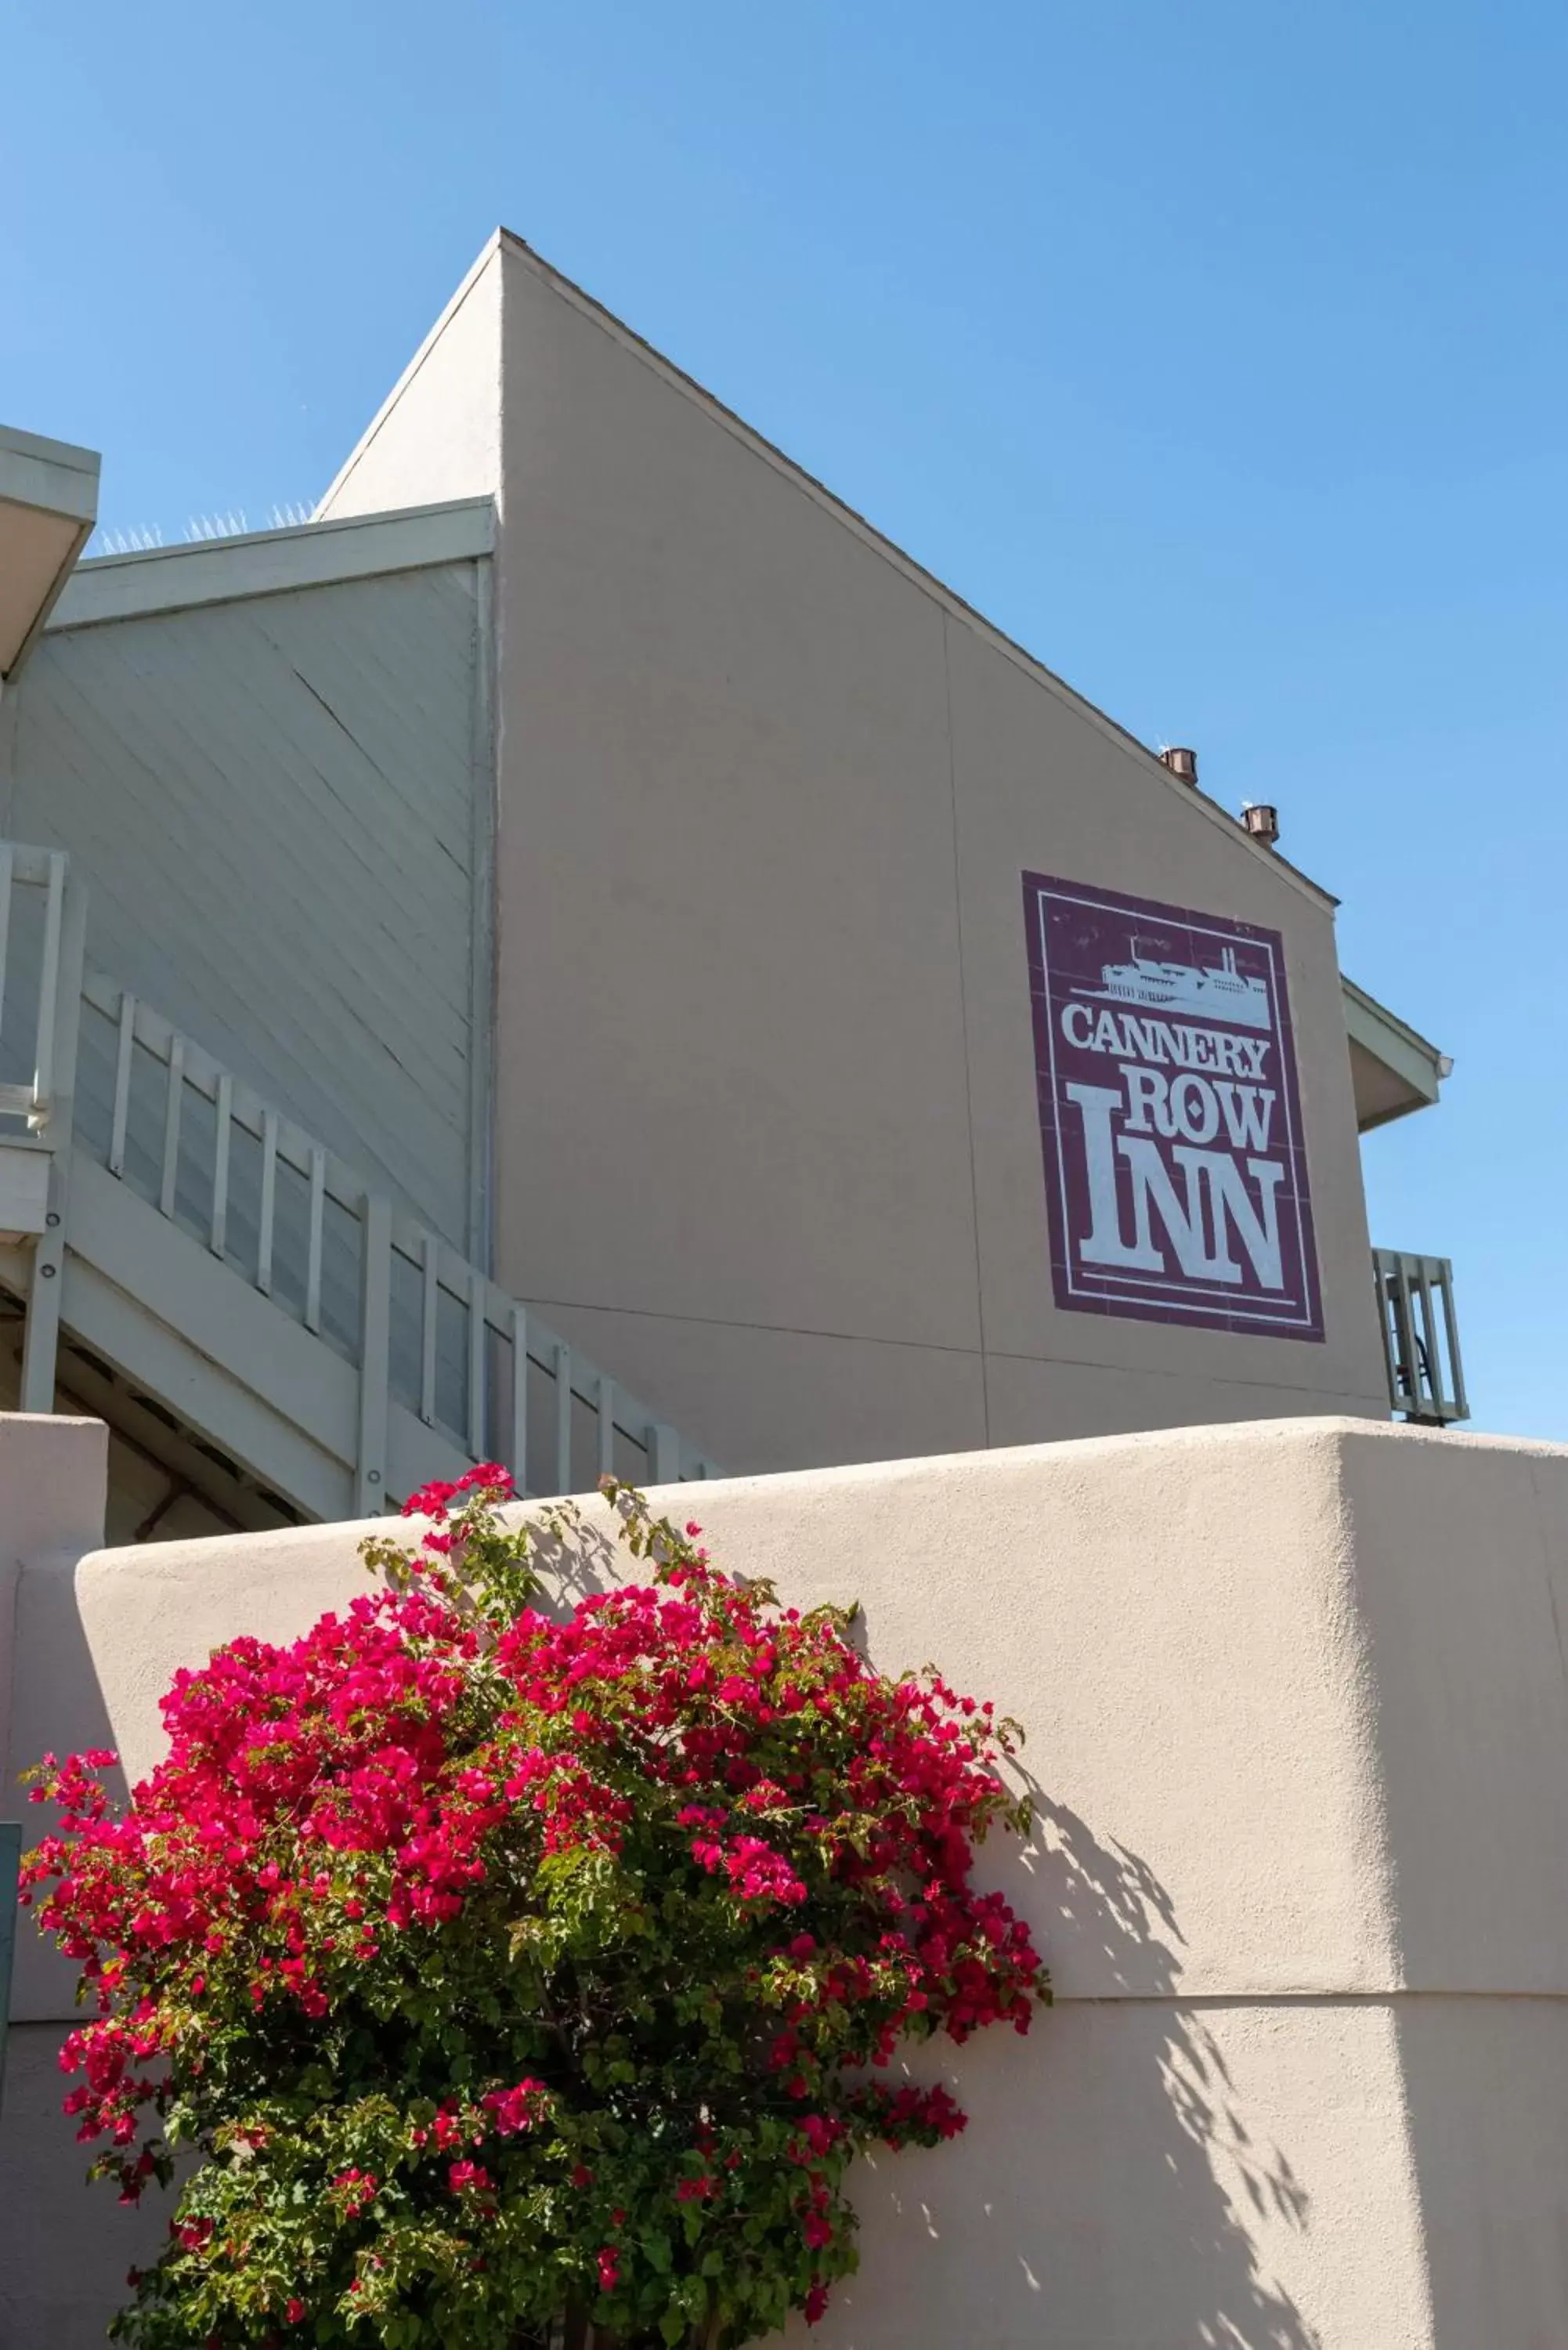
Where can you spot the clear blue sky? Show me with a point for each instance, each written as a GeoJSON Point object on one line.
{"type": "Point", "coordinates": [1219, 352]}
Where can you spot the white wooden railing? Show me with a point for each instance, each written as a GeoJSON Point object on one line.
{"type": "Point", "coordinates": [85, 1068]}
{"type": "Point", "coordinates": [1420, 1337]}
{"type": "Point", "coordinates": [33, 955]}
{"type": "Point", "coordinates": [423, 1327]}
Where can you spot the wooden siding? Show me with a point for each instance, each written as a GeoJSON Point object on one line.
{"type": "Point", "coordinates": [279, 808]}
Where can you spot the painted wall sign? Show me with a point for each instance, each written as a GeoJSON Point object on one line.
{"type": "Point", "coordinates": [1170, 1116]}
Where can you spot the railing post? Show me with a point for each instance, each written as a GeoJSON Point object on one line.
{"type": "Point", "coordinates": [664, 1454]}
{"type": "Point", "coordinates": [478, 1363]}
{"type": "Point", "coordinates": [1451, 1327]}
{"type": "Point", "coordinates": [50, 989]}
{"type": "Point", "coordinates": [223, 1130]}
{"type": "Point", "coordinates": [430, 1307]}
{"type": "Point", "coordinates": [7, 875]}
{"type": "Point", "coordinates": [41, 1336]}
{"type": "Point", "coordinates": [58, 1072]}
{"type": "Point", "coordinates": [375, 1346]}
{"type": "Point", "coordinates": [123, 1062]}
{"type": "Point", "coordinates": [517, 1459]}
{"type": "Point", "coordinates": [562, 1416]}
{"type": "Point", "coordinates": [606, 1425]}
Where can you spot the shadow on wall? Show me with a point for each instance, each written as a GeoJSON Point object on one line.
{"type": "Point", "coordinates": [1108, 2191]}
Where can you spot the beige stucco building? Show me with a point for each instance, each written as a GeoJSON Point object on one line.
{"type": "Point", "coordinates": [576, 876]}
{"type": "Point", "coordinates": [583, 953]}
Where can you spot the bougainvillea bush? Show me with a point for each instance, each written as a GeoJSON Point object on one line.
{"type": "Point", "coordinates": [527, 1975]}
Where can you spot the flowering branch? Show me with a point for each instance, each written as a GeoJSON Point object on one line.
{"type": "Point", "coordinates": [526, 1976]}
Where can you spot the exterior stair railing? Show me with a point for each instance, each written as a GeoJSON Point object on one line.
{"type": "Point", "coordinates": [298, 1278]}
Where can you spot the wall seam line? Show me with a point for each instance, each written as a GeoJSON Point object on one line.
{"type": "Point", "coordinates": [963, 1024]}
{"type": "Point", "coordinates": [1337, 1398]}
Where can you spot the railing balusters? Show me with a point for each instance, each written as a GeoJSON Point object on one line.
{"type": "Point", "coordinates": [562, 1416]}
{"type": "Point", "coordinates": [1404, 1324]}
{"type": "Point", "coordinates": [375, 1352]}
{"type": "Point", "coordinates": [429, 1310]}
{"type": "Point", "coordinates": [49, 990]}
{"type": "Point", "coordinates": [7, 868]}
{"type": "Point", "coordinates": [478, 1414]}
{"type": "Point", "coordinates": [1425, 1379]}
{"type": "Point", "coordinates": [122, 1082]}
{"type": "Point", "coordinates": [313, 1246]}
{"type": "Point", "coordinates": [486, 1420]}
{"type": "Point", "coordinates": [173, 1103]}
{"type": "Point", "coordinates": [222, 1125]}
{"type": "Point", "coordinates": [518, 1464]}
{"type": "Point", "coordinates": [664, 1454]}
{"type": "Point", "coordinates": [1434, 1360]}
{"type": "Point", "coordinates": [606, 1425]}
{"type": "Point", "coordinates": [268, 1201]}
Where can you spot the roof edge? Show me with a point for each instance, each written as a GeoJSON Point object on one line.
{"type": "Point", "coordinates": [1413, 1059]}
{"type": "Point", "coordinates": [271, 562]}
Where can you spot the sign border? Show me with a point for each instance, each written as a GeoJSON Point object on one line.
{"type": "Point", "coordinates": [1177, 1303]}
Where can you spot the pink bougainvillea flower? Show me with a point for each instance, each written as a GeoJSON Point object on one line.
{"type": "Point", "coordinates": [440, 1922]}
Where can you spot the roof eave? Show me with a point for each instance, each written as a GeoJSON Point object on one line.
{"type": "Point", "coordinates": [1412, 1065]}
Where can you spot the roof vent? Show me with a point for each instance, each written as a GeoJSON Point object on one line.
{"type": "Point", "coordinates": [1262, 821]}
{"type": "Point", "coordinates": [1183, 763]}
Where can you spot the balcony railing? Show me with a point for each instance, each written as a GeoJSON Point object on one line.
{"type": "Point", "coordinates": [1420, 1337]}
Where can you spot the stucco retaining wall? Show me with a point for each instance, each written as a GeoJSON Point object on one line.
{"type": "Point", "coordinates": [1298, 1719]}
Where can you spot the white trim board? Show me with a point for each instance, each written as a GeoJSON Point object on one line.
{"type": "Point", "coordinates": [271, 562]}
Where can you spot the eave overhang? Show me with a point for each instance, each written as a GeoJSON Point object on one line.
{"type": "Point", "coordinates": [1394, 1069]}
{"type": "Point", "coordinates": [48, 504]}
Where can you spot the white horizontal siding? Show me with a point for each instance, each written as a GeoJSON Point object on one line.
{"type": "Point", "coordinates": [277, 806]}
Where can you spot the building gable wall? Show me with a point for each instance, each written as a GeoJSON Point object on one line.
{"type": "Point", "coordinates": [766, 793]}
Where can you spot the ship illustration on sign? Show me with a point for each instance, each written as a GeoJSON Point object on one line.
{"type": "Point", "coordinates": [1209, 992]}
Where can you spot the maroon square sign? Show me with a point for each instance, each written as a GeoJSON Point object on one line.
{"type": "Point", "coordinates": [1175, 1165]}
